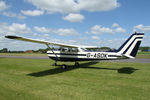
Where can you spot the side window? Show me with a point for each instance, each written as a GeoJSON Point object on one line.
{"type": "Point", "coordinates": [74, 50]}
{"type": "Point", "coordinates": [63, 49]}
{"type": "Point", "coordinates": [69, 50]}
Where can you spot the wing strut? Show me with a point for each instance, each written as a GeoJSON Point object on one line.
{"type": "Point", "coordinates": [53, 52]}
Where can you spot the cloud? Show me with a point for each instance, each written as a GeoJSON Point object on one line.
{"type": "Point", "coordinates": [119, 30]}
{"type": "Point", "coordinates": [42, 29]}
{"type": "Point", "coordinates": [32, 12]}
{"type": "Point", "coordinates": [115, 25]}
{"type": "Point", "coordinates": [95, 37]}
{"type": "Point", "coordinates": [3, 6]}
{"type": "Point", "coordinates": [141, 28]}
{"type": "Point", "coordinates": [14, 15]}
{"type": "Point", "coordinates": [60, 31]}
{"type": "Point", "coordinates": [72, 6]}
{"type": "Point", "coordinates": [66, 32]}
{"type": "Point", "coordinates": [146, 41]}
{"type": "Point", "coordinates": [97, 5]}
{"type": "Point", "coordinates": [112, 43]}
{"type": "Point", "coordinates": [52, 6]}
{"type": "Point", "coordinates": [19, 28]}
{"type": "Point", "coordinates": [14, 29]}
{"type": "Point", "coordinates": [97, 29]}
{"type": "Point", "coordinates": [74, 17]}
{"type": "Point", "coordinates": [116, 28]}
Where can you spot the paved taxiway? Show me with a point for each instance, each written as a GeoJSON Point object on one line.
{"type": "Point", "coordinates": [137, 60]}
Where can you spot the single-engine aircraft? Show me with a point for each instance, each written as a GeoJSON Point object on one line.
{"type": "Point", "coordinates": [75, 53]}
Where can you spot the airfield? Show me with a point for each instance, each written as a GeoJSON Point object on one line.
{"type": "Point", "coordinates": [32, 77]}
{"type": "Point", "coordinates": [136, 60]}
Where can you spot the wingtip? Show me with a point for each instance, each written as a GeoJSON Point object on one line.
{"type": "Point", "coordinates": [11, 37]}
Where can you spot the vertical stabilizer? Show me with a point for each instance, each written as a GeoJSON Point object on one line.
{"type": "Point", "coordinates": [130, 46]}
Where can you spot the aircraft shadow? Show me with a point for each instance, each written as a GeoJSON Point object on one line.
{"type": "Point", "coordinates": [124, 70]}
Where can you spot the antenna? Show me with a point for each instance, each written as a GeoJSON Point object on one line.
{"type": "Point", "coordinates": [135, 32]}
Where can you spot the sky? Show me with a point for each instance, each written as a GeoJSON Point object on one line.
{"type": "Point", "coordinates": [77, 22]}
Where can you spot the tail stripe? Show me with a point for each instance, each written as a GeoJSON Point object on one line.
{"type": "Point", "coordinates": [127, 43]}
{"type": "Point", "coordinates": [134, 51]}
{"type": "Point", "coordinates": [132, 47]}
{"type": "Point", "coordinates": [132, 44]}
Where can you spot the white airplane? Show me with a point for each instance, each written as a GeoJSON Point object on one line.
{"type": "Point", "coordinates": [75, 53]}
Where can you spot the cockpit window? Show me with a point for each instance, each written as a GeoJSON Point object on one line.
{"type": "Point", "coordinates": [84, 49]}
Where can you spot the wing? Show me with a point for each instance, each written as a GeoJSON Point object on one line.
{"type": "Point", "coordinates": [39, 41]}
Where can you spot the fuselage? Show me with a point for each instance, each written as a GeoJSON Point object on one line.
{"type": "Point", "coordinates": [82, 55]}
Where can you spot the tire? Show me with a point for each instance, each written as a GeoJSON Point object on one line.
{"type": "Point", "coordinates": [55, 64]}
{"type": "Point", "coordinates": [64, 66]}
{"type": "Point", "coordinates": [77, 64]}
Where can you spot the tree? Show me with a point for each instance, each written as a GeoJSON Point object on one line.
{"type": "Point", "coordinates": [144, 48]}
{"type": "Point", "coordinates": [4, 50]}
{"type": "Point", "coordinates": [105, 48]}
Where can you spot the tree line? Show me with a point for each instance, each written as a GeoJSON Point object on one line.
{"type": "Point", "coordinates": [5, 50]}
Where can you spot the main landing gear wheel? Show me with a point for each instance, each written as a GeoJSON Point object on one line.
{"type": "Point", "coordinates": [55, 64]}
{"type": "Point", "coordinates": [63, 66]}
{"type": "Point", "coordinates": [77, 64]}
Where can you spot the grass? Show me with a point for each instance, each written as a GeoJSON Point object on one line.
{"type": "Point", "coordinates": [36, 79]}
{"type": "Point", "coordinates": [145, 55]}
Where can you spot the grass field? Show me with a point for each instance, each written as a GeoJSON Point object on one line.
{"type": "Point", "coordinates": [143, 55]}
{"type": "Point", "coordinates": [36, 79]}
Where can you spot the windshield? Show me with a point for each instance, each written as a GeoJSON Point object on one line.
{"type": "Point", "coordinates": [84, 49]}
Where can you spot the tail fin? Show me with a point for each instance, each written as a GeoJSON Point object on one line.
{"type": "Point", "coordinates": [130, 47]}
